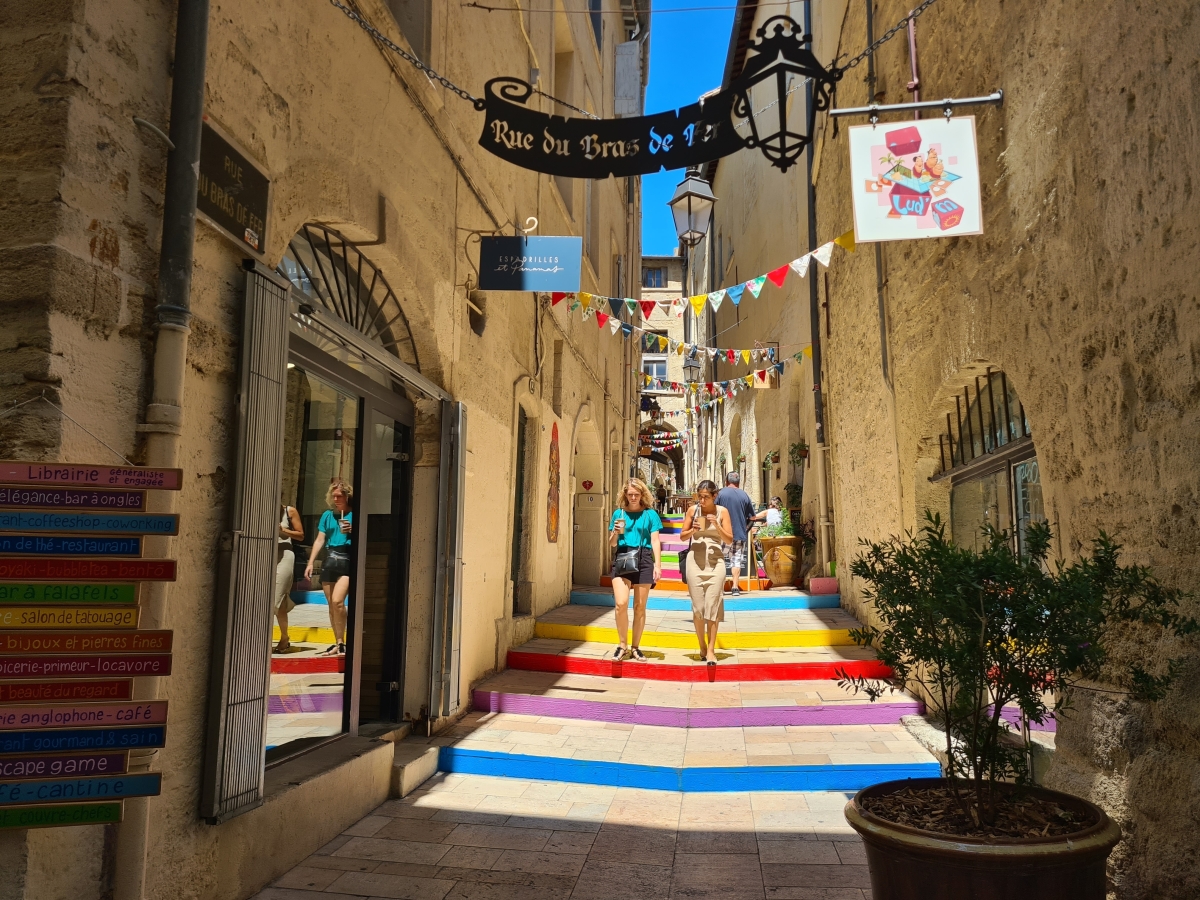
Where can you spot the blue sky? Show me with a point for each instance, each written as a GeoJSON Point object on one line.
{"type": "Point", "coordinates": [687, 58]}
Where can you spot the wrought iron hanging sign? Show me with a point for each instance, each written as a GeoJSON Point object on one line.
{"type": "Point", "coordinates": [731, 120]}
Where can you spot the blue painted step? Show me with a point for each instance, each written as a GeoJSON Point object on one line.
{"type": "Point", "coordinates": [675, 602]}
{"type": "Point", "coordinates": [679, 778]}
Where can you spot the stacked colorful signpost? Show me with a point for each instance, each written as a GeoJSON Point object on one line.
{"type": "Point", "coordinates": [71, 542]}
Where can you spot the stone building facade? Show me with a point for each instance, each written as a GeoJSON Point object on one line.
{"type": "Point", "coordinates": [402, 380]}
{"type": "Point", "coordinates": [1076, 308]}
{"type": "Point", "coordinates": [662, 282]}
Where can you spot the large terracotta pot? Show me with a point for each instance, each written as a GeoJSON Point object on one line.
{"type": "Point", "coordinates": [911, 864]}
{"type": "Point", "coordinates": [780, 558]}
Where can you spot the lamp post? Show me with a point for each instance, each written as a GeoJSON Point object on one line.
{"type": "Point", "coordinates": [692, 208]}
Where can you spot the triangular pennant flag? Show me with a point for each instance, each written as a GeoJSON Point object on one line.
{"type": "Point", "coordinates": [755, 285]}
{"type": "Point", "coordinates": [631, 304]}
{"type": "Point", "coordinates": [614, 324]}
{"type": "Point", "coordinates": [822, 253]}
{"type": "Point", "coordinates": [586, 299]}
{"type": "Point", "coordinates": [662, 344]}
{"type": "Point", "coordinates": [778, 368]}
{"type": "Point", "coordinates": [846, 241]}
{"type": "Point", "coordinates": [626, 328]}
{"type": "Point", "coordinates": [762, 374]}
{"type": "Point", "coordinates": [575, 304]}
{"type": "Point", "coordinates": [808, 351]}
{"type": "Point", "coordinates": [679, 348]}
{"type": "Point", "coordinates": [601, 318]}
{"type": "Point", "coordinates": [777, 275]}
{"type": "Point", "coordinates": [754, 355]}
{"type": "Point", "coordinates": [729, 355]}
{"type": "Point", "coordinates": [746, 356]}
{"type": "Point", "coordinates": [667, 305]}
{"type": "Point", "coordinates": [735, 293]}
{"type": "Point", "coordinates": [800, 266]}
{"type": "Point", "coordinates": [715, 299]}
{"type": "Point", "coordinates": [749, 381]}
{"type": "Point", "coordinates": [712, 352]}
{"type": "Point", "coordinates": [647, 308]}
{"type": "Point", "coordinates": [698, 303]}
{"type": "Point", "coordinates": [556, 298]}
{"type": "Point", "coordinates": [614, 303]}
{"type": "Point", "coordinates": [771, 353]}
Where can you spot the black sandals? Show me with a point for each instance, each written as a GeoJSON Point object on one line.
{"type": "Point", "coordinates": [638, 655]}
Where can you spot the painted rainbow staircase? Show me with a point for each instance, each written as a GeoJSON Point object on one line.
{"type": "Point", "coordinates": [769, 716]}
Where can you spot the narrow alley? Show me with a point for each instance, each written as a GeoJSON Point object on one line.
{"type": "Point", "coordinates": [578, 777]}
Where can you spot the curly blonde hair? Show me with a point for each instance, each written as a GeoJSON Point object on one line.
{"type": "Point", "coordinates": [345, 488]}
{"type": "Point", "coordinates": [647, 496]}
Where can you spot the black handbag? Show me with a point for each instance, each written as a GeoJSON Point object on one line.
{"type": "Point", "coordinates": [683, 558]}
{"type": "Point", "coordinates": [626, 562]}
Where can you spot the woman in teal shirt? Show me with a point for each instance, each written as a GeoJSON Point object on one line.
{"type": "Point", "coordinates": [334, 530]}
{"type": "Point", "coordinates": [634, 531]}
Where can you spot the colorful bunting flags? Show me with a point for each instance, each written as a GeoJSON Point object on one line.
{"type": "Point", "coordinates": [698, 303]}
{"type": "Point", "coordinates": [715, 299]}
{"type": "Point", "coordinates": [556, 298]}
{"type": "Point", "coordinates": [601, 318]}
{"type": "Point", "coordinates": [800, 266]}
{"type": "Point", "coordinates": [846, 241]}
{"type": "Point", "coordinates": [822, 253]}
{"type": "Point", "coordinates": [586, 299]}
{"type": "Point", "coordinates": [647, 308]}
{"type": "Point", "coordinates": [734, 293]}
{"type": "Point", "coordinates": [777, 275]}
{"type": "Point", "coordinates": [755, 285]}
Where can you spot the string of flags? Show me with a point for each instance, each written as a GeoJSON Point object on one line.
{"type": "Point", "coordinates": [595, 304]}
{"type": "Point", "coordinates": [725, 387]}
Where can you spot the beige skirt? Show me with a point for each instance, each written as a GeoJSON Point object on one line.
{"type": "Point", "coordinates": [707, 590]}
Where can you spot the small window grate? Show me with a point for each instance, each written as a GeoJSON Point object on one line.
{"type": "Point", "coordinates": [983, 423]}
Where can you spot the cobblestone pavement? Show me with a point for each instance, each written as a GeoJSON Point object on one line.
{"type": "Point", "coordinates": [477, 837]}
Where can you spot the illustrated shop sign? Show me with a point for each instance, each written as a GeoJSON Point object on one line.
{"type": "Point", "coordinates": [918, 180]}
{"type": "Point", "coordinates": [529, 263]}
{"type": "Point", "coordinates": [231, 190]}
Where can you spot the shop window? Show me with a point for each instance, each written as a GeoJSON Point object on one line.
{"type": "Point", "coordinates": [988, 455]}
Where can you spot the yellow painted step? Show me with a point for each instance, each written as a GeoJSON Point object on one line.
{"type": "Point", "coordinates": [305, 634]}
{"type": "Point", "coordinates": [733, 640]}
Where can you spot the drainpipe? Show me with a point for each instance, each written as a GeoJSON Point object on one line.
{"type": "Point", "coordinates": [814, 309]}
{"type": "Point", "coordinates": [164, 412]}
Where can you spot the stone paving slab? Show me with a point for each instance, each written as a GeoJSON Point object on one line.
{"type": "Point", "coordinates": [681, 622]}
{"type": "Point", "coordinates": [460, 838]}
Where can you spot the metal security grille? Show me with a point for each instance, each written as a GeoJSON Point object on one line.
{"type": "Point", "coordinates": [326, 267]}
{"type": "Point", "coordinates": [233, 770]}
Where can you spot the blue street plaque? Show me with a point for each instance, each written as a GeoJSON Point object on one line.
{"type": "Point", "coordinates": [100, 522]}
{"type": "Point", "coordinates": [74, 790]}
{"type": "Point", "coordinates": [530, 263]}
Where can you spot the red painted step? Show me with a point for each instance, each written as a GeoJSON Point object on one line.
{"type": "Point", "coordinates": [655, 671]}
{"type": "Point", "coordinates": [307, 665]}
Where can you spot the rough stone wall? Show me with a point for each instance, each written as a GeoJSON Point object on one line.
{"type": "Point", "coordinates": [348, 140]}
{"type": "Point", "coordinates": [1082, 290]}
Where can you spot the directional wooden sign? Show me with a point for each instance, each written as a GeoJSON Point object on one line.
{"type": "Point", "coordinates": [20, 497]}
{"type": "Point", "coordinates": [63, 765]}
{"type": "Point", "coordinates": [71, 541]}
{"type": "Point", "coordinates": [116, 594]}
{"type": "Point", "coordinates": [86, 475]}
{"type": "Point", "coordinates": [58, 568]}
{"type": "Point", "coordinates": [58, 816]}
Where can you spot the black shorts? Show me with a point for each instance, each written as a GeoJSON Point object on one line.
{"type": "Point", "coordinates": [645, 572]}
{"type": "Point", "coordinates": [337, 564]}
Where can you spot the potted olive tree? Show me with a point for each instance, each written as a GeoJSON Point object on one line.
{"type": "Point", "coordinates": [975, 632]}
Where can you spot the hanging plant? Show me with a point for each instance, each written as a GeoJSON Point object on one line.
{"type": "Point", "coordinates": [741, 459]}
{"type": "Point", "coordinates": [797, 453]}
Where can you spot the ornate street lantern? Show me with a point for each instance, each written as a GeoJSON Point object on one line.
{"type": "Point", "coordinates": [765, 114]}
{"type": "Point", "coordinates": [692, 208]}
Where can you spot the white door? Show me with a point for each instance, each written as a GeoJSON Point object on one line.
{"type": "Point", "coordinates": [587, 549]}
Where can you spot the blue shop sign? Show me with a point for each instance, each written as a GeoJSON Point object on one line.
{"type": "Point", "coordinates": [530, 263]}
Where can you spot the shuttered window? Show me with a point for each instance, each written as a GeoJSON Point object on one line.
{"type": "Point", "coordinates": [233, 767]}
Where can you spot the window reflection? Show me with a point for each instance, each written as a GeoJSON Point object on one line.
{"type": "Point", "coordinates": [308, 658]}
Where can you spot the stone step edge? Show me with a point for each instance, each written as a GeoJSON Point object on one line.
{"type": "Point", "coordinates": [695, 779]}
{"type": "Point", "coordinates": [712, 717]}
{"type": "Point", "coordinates": [532, 661]}
{"type": "Point", "coordinates": [732, 604]}
{"type": "Point", "coordinates": [730, 640]}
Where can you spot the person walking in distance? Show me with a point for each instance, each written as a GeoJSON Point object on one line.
{"type": "Point", "coordinates": [334, 529]}
{"type": "Point", "coordinates": [660, 494]}
{"type": "Point", "coordinates": [707, 525]}
{"type": "Point", "coordinates": [741, 511]}
{"type": "Point", "coordinates": [290, 529]}
{"type": "Point", "coordinates": [634, 531]}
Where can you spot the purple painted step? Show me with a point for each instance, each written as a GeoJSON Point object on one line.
{"type": "Point", "coordinates": [731, 717]}
{"type": "Point", "coordinates": [303, 703]}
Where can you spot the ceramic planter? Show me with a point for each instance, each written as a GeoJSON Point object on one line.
{"type": "Point", "coordinates": [780, 558]}
{"type": "Point", "coordinates": [911, 864]}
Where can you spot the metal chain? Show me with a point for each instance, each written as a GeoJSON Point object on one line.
{"type": "Point", "coordinates": [888, 35]}
{"type": "Point", "coordinates": [582, 112]}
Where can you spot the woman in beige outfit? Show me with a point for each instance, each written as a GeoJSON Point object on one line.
{"type": "Point", "coordinates": [708, 527]}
